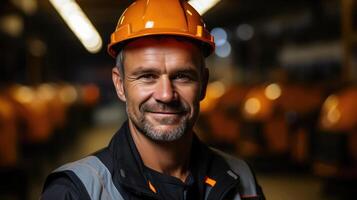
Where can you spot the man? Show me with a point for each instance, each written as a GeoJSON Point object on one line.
{"type": "Point", "coordinates": [160, 46]}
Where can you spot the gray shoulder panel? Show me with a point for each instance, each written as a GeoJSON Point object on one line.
{"type": "Point", "coordinates": [95, 177]}
{"type": "Point", "coordinates": [241, 168]}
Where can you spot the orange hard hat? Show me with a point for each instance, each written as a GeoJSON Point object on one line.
{"type": "Point", "coordinates": [160, 17]}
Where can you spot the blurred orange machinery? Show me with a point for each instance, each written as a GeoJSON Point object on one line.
{"type": "Point", "coordinates": [285, 113]}
{"type": "Point", "coordinates": [30, 115]}
{"type": "Point", "coordinates": [268, 119]}
{"type": "Point", "coordinates": [337, 142]}
{"type": "Point", "coordinates": [8, 136]}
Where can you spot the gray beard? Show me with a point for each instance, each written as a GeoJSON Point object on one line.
{"type": "Point", "coordinates": [156, 134]}
{"type": "Point", "coordinates": [160, 135]}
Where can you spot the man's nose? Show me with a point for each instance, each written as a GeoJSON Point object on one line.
{"type": "Point", "coordinates": [164, 92]}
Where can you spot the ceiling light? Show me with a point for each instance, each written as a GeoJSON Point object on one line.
{"type": "Point", "coordinates": [78, 22]}
{"type": "Point", "coordinates": [223, 51]}
{"type": "Point", "coordinates": [245, 32]}
{"type": "Point", "coordinates": [215, 90]}
{"type": "Point", "coordinates": [252, 106]}
{"type": "Point", "coordinates": [28, 6]}
{"type": "Point", "coordinates": [219, 35]}
{"type": "Point", "coordinates": [203, 6]}
{"type": "Point", "coordinates": [24, 94]}
{"type": "Point", "coordinates": [12, 25]}
{"type": "Point", "coordinates": [272, 91]}
{"type": "Point", "coordinates": [68, 94]}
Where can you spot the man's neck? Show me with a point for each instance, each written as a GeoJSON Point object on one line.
{"type": "Point", "coordinates": [171, 158]}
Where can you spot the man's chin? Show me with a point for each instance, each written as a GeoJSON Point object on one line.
{"type": "Point", "coordinates": [166, 128]}
{"type": "Point", "coordinates": [160, 135]}
{"type": "Point", "coordinates": [165, 132]}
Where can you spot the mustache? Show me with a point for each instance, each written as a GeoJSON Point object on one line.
{"type": "Point", "coordinates": [172, 107]}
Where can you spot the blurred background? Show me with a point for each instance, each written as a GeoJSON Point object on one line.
{"type": "Point", "coordinates": [282, 91]}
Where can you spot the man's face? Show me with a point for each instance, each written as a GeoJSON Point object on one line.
{"type": "Point", "coordinates": [163, 83]}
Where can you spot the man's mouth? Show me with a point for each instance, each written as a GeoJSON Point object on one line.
{"type": "Point", "coordinates": [166, 112]}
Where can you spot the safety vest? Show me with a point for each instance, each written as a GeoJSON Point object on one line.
{"type": "Point", "coordinates": [97, 179]}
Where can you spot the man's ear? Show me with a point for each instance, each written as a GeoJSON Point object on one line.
{"type": "Point", "coordinates": [205, 78]}
{"type": "Point", "coordinates": [118, 81]}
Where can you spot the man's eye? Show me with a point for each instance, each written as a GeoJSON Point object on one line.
{"type": "Point", "coordinates": [147, 77]}
{"type": "Point", "coordinates": [182, 77]}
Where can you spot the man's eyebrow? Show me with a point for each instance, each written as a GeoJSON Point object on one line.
{"type": "Point", "coordinates": [187, 70]}
{"type": "Point", "coordinates": [145, 70]}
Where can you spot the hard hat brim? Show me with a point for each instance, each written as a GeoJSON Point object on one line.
{"type": "Point", "coordinates": [205, 44]}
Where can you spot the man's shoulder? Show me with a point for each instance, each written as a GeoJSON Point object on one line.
{"type": "Point", "coordinates": [71, 178]}
{"type": "Point", "coordinates": [63, 183]}
{"type": "Point", "coordinates": [60, 187]}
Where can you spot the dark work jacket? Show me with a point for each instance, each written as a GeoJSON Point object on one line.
{"type": "Point", "coordinates": [117, 172]}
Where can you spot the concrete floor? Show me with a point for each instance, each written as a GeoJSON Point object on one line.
{"type": "Point", "coordinates": [277, 186]}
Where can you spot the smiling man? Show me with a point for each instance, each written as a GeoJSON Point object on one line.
{"type": "Point", "coordinates": [160, 48]}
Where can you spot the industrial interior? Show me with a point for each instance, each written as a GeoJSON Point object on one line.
{"type": "Point", "coordinates": [282, 92]}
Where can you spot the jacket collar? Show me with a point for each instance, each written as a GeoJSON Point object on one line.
{"type": "Point", "coordinates": [129, 168]}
